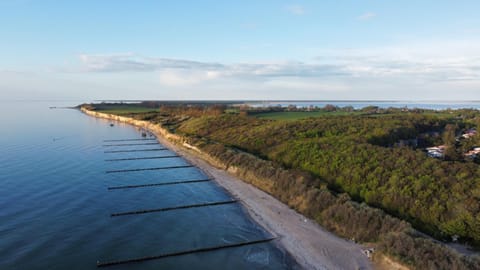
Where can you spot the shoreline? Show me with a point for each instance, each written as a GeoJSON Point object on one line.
{"type": "Point", "coordinates": [310, 245]}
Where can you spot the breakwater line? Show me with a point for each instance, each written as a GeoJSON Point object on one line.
{"type": "Point", "coordinates": [141, 158]}
{"type": "Point", "coordinates": [128, 144]}
{"type": "Point", "coordinates": [138, 212]}
{"type": "Point", "coordinates": [160, 184]}
{"type": "Point", "coordinates": [150, 169]}
{"type": "Point", "coordinates": [185, 252]}
{"type": "Point", "coordinates": [128, 140]}
{"type": "Point", "coordinates": [135, 150]}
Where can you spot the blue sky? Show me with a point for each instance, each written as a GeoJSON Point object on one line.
{"type": "Point", "coordinates": [407, 50]}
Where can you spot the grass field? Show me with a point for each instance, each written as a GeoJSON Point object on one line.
{"type": "Point", "coordinates": [125, 109]}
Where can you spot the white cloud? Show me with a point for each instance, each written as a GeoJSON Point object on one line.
{"type": "Point", "coordinates": [133, 62]}
{"type": "Point", "coordinates": [427, 62]}
{"type": "Point", "coordinates": [433, 69]}
{"type": "Point", "coordinates": [180, 71]}
{"type": "Point", "coordinates": [367, 16]}
{"type": "Point", "coordinates": [296, 9]}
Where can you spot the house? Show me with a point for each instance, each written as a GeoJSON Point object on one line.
{"type": "Point", "coordinates": [436, 151]}
{"type": "Point", "coordinates": [475, 152]}
{"type": "Point", "coordinates": [435, 154]}
{"type": "Point", "coordinates": [469, 133]}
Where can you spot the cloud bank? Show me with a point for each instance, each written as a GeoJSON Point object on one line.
{"type": "Point", "coordinates": [455, 62]}
{"type": "Point", "coordinates": [428, 70]}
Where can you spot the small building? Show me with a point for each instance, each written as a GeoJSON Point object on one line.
{"type": "Point", "coordinates": [474, 153]}
{"type": "Point", "coordinates": [436, 151]}
{"type": "Point", "coordinates": [469, 133]}
{"type": "Point", "coordinates": [435, 154]}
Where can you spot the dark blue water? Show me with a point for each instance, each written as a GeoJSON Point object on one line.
{"type": "Point", "coordinates": [55, 204]}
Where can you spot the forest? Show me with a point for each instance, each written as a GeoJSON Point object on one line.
{"type": "Point", "coordinates": [353, 173]}
{"type": "Point", "coordinates": [352, 155]}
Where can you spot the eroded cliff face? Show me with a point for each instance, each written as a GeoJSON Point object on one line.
{"type": "Point", "coordinates": [154, 128]}
{"type": "Point", "coordinates": [159, 131]}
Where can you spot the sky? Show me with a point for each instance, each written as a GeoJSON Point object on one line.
{"type": "Point", "coordinates": [248, 50]}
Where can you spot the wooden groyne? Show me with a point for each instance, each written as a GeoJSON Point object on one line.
{"type": "Point", "coordinates": [150, 169]}
{"type": "Point", "coordinates": [128, 144]}
{"type": "Point", "coordinates": [129, 140]}
{"type": "Point", "coordinates": [139, 212]}
{"type": "Point", "coordinates": [185, 252]}
{"type": "Point", "coordinates": [135, 150]}
{"type": "Point", "coordinates": [141, 158]}
{"type": "Point", "coordinates": [160, 184]}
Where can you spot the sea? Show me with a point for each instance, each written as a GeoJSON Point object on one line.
{"type": "Point", "coordinates": [65, 177]}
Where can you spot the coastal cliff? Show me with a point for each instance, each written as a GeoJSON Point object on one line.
{"type": "Point", "coordinates": [263, 183]}
{"type": "Point", "coordinates": [156, 129]}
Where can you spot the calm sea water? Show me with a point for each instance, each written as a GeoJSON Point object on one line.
{"type": "Point", "coordinates": [55, 206]}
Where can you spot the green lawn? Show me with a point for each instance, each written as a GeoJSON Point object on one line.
{"type": "Point", "coordinates": [125, 109]}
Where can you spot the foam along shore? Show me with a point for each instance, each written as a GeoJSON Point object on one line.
{"type": "Point", "coordinates": [309, 244]}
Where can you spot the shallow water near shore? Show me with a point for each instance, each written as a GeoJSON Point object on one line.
{"type": "Point", "coordinates": [56, 206]}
